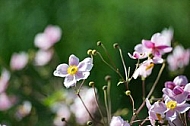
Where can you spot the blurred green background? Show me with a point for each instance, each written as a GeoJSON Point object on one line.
{"type": "Point", "coordinates": [83, 23]}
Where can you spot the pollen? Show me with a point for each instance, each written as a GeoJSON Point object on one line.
{"type": "Point", "coordinates": [151, 65]}
{"type": "Point", "coordinates": [72, 70]}
{"type": "Point", "coordinates": [171, 104]}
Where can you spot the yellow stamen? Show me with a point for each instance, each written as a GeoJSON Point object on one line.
{"type": "Point", "coordinates": [150, 66]}
{"type": "Point", "coordinates": [72, 70]}
{"type": "Point", "coordinates": [171, 104]}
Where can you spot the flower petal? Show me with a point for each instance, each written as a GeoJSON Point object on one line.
{"type": "Point", "coordinates": [85, 65]}
{"type": "Point", "coordinates": [70, 81]}
{"type": "Point", "coordinates": [61, 70]}
{"type": "Point", "coordinates": [73, 60]}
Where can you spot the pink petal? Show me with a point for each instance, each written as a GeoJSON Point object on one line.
{"type": "Point", "coordinates": [148, 44]}
{"type": "Point", "coordinates": [73, 60]}
{"type": "Point", "coordinates": [70, 81]}
{"type": "Point", "coordinates": [61, 70]}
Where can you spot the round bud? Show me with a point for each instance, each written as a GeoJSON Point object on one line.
{"type": "Point", "coordinates": [89, 123]}
{"type": "Point", "coordinates": [99, 43]}
{"type": "Point", "coordinates": [104, 88]}
{"type": "Point", "coordinates": [116, 45]}
{"type": "Point", "coordinates": [94, 52]}
{"type": "Point", "coordinates": [108, 78]}
{"type": "Point", "coordinates": [89, 52]}
{"type": "Point", "coordinates": [128, 92]}
{"type": "Point", "coordinates": [91, 83]}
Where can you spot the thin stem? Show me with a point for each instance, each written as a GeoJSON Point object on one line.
{"type": "Point", "coordinates": [116, 70]}
{"type": "Point", "coordinates": [106, 105]}
{"type": "Point", "coordinates": [123, 62]}
{"type": "Point", "coordinates": [133, 103]}
{"type": "Point", "coordinates": [109, 57]}
{"type": "Point", "coordinates": [149, 94]}
{"type": "Point", "coordinates": [143, 89]}
{"type": "Point", "coordinates": [95, 93]}
{"type": "Point", "coordinates": [87, 109]}
{"type": "Point", "coordinates": [109, 98]}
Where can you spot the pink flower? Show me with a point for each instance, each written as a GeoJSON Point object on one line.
{"type": "Point", "coordinates": [118, 121]}
{"type": "Point", "coordinates": [156, 112]}
{"type": "Point", "coordinates": [74, 71]}
{"type": "Point", "coordinates": [173, 108]}
{"type": "Point", "coordinates": [18, 61]}
{"type": "Point", "coordinates": [48, 38]}
{"type": "Point", "coordinates": [5, 76]}
{"type": "Point", "coordinates": [144, 69]}
{"type": "Point", "coordinates": [61, 112]}
{"type": "Point", "coordinates": [159, 44]}
{"type": "Point", "coordinates": [78, 108]}
{"type": "Point", "coordinates": [177, 90]}
{"type": "Point", "coordinates": [42, 57]}
{"type": "Point", "coordinates": [179, 58]}
{"type": "Point", "coordinates": [5, 101]}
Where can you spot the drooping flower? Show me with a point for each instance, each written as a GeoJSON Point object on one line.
{"type": "Point", "coordinates": [156, 112]}
{"type": "Point", "coordinates": [118, 121]}
{"type": "Point", "coordinates": [144, 69]}
{"type": "Point", "coordinates": [42, 57]}
{"type": "Point", "coordinates": [78, 108]}
{"type": "Point", "coordinates": [18, 61]}
{"type": "Point", "coordinates": [48, 38]}
{"type": "Point", "coordinates": [74, 71]}
{"type": "Point", "coordinates": [179, 58]}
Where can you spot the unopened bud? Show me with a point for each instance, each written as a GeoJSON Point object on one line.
{"type": "Point", "coordinates": [89, 52]}
{"type": "Point", "coordinates": [108, 78]}
{"type": "Point", "coordinates": [91, 83]}
{"type": "Point", "coordinates": [116, 45]}
{"type": "Point", "coordinates": [89, 123]}
{"type": "Point", "coordinates": [99, 43]}
{"type": "Point", "coordinates": [104, 88]}
{"type": "Point", "coordinates": [94, 52]}
{"type": "Point", "coordinates": [128, 92]}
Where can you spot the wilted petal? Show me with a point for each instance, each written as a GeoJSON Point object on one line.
{"type": "Point", "coordinates": [61, 70]}
{"type": "Point", "coordinates": [73, 60]}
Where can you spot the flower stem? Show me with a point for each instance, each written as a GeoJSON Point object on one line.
{"type": "Point", "coordinates": [149, 94]}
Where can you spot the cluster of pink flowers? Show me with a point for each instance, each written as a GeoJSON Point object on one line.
{"type": "Point", "coordinates": [70, 106]}
{"type": "Point", "coordinates": [153, 50]}
{"type": "Point", "coordinates": [44, 41]}
{"type": "Point", "coordinates": [175, 96]}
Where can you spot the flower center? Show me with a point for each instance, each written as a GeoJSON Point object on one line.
{"type": "Point", "coordinates": [171, 104]}
{"type": "Point", "coordinates": [72, 70]}
{"type": "Point", "coordinates": [151, 65]}
{"type": "Point", "coordinates": [159, 116]}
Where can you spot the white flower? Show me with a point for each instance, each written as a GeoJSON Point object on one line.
{"type": "Point", "coordinates": [74, 71]}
